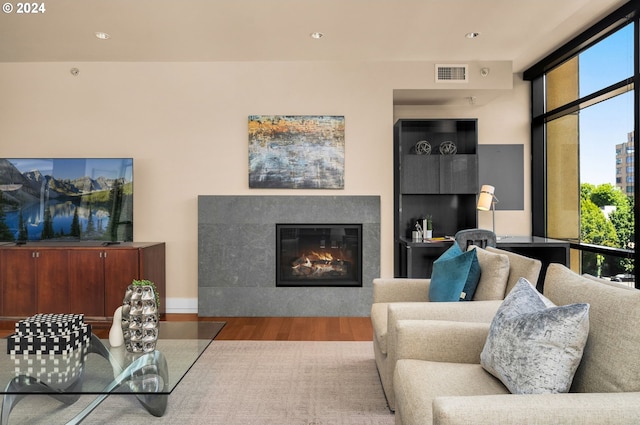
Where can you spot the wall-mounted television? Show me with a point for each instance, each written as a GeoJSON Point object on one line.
{"type": "Point", "coordinates": [66, 199]}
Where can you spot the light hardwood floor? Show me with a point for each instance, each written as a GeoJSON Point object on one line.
{"type": "Point", "coordinates": [296, 328]}
{"type": "Point", "coordinates": [267, 328]}
{"type": "Point", "coordinates": [289, 328]}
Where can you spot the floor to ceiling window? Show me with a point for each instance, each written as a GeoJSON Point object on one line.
{"type": "Point", "coordinates": [585, 117]}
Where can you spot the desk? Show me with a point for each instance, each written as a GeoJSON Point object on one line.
{"type": "Point", "coordinates": [544, 249]}
{"type": "Point", "coordinates": [416, 258]}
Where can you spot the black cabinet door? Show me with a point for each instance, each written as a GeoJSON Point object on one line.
{"type": "Point", "coordinates": [459, 174]}
{"type": "Point", "coordinates": [420, 174]}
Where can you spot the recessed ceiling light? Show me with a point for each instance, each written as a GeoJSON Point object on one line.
{"type": "Point", "coordinates": [316, 35]}
{"type": "Point", "coordinates": [102, 35]}
{"type": "Point", "coordinates": [472, 34]}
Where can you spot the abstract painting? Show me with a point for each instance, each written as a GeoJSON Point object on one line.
{"type": "Point", "coordinates": [296, 151]}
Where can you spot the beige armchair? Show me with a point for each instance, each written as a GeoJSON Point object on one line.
{"type": "Point", "coordinates": [439, 381]}
{"type": "Point", "coordinates": [396, 299]}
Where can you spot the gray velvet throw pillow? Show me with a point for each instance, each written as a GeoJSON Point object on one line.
{"type": "Point", "coordinates": [533, 348]}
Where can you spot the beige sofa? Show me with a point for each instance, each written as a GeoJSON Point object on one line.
{"type": "Point", "coordinates": [397, 299]}
{"type": "Point", "coordinates": [438, 378]}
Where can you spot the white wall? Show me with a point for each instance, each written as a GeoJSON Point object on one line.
{"type": "Point", "coordinates": [185, 125]}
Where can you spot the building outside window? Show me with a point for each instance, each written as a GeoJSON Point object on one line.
{"type": "Point", "coordinates": [584, 120]}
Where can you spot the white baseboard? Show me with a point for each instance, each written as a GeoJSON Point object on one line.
{"type": "Point", "coordinates": [182, 305]}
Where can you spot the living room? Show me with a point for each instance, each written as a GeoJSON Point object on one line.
{"type": "Point", "coordinates": [181, 110]}
{"type": "Point", "coordinates": [185, 121]}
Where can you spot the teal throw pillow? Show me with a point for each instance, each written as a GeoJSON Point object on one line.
{"type": "Point", "coordinates": [454, 277]}
{"type": "Point", "coordinates": [453, 251]}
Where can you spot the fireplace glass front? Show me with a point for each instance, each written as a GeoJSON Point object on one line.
{"type": "Point", "coordinates": [318, 255]}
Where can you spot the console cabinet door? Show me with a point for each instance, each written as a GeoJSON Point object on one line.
{"type": "Point", "coordinates": [86, 282]}
{"type": "Point", "coordinates": [34, 281]}
{"type": "Point", "coordinates": [18, 275]}
{"type": "Point", "coordinates": [121, 267]}
{"type": "Point", "coordinates": [52, 277]}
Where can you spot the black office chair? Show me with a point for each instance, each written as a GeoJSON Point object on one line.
{"type": "Point", "coordinates": [478, 237]}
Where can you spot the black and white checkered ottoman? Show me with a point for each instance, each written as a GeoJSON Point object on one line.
{"type": "Point", "coordinates": [49, 334]}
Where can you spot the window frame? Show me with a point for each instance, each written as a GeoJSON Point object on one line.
{"type": "Point", "coordinates": [628, 13]}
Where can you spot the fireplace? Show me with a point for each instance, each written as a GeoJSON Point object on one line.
{"type": "Point", "coordinates": [237, 255]}
{"type": "Point", "coordinates": [318, 255]}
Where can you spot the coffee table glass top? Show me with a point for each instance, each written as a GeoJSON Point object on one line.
{"type": "Point", "coordinates": [180, 344]}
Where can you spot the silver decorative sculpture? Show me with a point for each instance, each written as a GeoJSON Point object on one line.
{"type": "Point", "coordinates": [423, 147]}
{"type": "Point", "coordinates": [140, 317]}
{"type": "Point", "coordinates": [448, 148]}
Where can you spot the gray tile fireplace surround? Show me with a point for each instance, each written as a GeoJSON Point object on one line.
{"type": "Point", "coordinates": [236, 255]}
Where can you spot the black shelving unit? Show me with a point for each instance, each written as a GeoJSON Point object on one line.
{"type": "Point", "coordinates": [444, 186]}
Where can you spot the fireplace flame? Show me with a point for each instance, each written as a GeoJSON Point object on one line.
{"type": "Point", "coordinates": [321, 256]}
{"type": "Point", "coordinates": [318, 264]}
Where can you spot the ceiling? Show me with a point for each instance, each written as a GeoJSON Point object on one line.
{"type": "Point", "coordinates": [520, 31]}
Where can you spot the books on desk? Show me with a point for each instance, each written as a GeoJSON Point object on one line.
{"type": "Point", "coordinates": [440, 239]}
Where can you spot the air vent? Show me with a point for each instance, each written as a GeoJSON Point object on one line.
{"type": "Point", "coordinates": [452, 73]}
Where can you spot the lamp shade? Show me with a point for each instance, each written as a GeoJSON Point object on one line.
{"type": "Point", "coordinates": [486, 197]}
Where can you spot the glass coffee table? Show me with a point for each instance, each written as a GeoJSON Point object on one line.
{"type": "Point", "coordinates": [99, 369]}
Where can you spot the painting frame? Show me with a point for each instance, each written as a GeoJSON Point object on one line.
{"type": "Point", "coordinates": [296, 151]}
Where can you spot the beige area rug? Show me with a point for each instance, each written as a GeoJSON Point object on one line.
{"type": "Point", "coordinates": [250, 382]}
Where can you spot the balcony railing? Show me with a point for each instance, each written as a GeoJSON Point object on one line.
{"type": "Point", "coordinates": [615, 264]}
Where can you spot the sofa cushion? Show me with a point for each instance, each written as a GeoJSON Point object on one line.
{"type": "Point", "coordinates": [610, 359]}
{"type": "Point", "coordinates": [534, 349]}
{"type": "Point", "coordinates": [418, 383]}
{"type": "Point", "coordinates": [494, 274]}
{"type": "Point", "coordinates": [519, 266]}
{"type": "Point", "coordinates": [454, 278]}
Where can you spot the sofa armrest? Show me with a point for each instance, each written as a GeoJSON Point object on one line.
{"type": "Point", "coordinates": [391, 290]}
{"type": "Point", "coordinates": [440, 341]}
{"type": "Point", "coordinates": [539, 409]}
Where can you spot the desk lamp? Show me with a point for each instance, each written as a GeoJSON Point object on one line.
{"type": "Point", "coordinates": [487, 201]}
